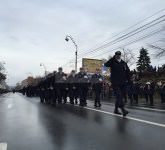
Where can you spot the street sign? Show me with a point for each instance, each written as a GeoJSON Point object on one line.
{"type": "Point", "coordinates": [91, 64]}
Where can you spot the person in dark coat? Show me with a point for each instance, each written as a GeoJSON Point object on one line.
{"type": "Point", "coordinates": [136, 91]}
{"type": "Point", "coordinates": [141, 90]}
{"type": "Point", "coordinates": [65, 89]}
{"type": "Point", "coordinates": [60, 78]}
{"type": "Point", "coordinates": [83, 85]}
{"type": "Point", "coordinates": [54, 91]}
{"type": "Point", "coordinates": [149, 92]}
{"type": "Point", "coordinates": [162, 92]}
{"type": "Point", "coordinates": [97, 83]}
{"type": "Point", "coordinates": [47, 90]}
{"type": "Point", "coordinates": [41, 87]}
{"type": "Point", "coordinates": [120, 76]}
{"type": "Point", "coordinates": [72, 87]}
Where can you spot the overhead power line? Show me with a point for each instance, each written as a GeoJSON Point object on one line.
{"type": "Point", "coordinates": [130, 34]}
{"type": "Point", "coordinates": [139, 39]}
{"type": "Point", "coordinates": [139, 22]}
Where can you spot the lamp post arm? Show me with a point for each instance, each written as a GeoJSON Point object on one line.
{"type": "Point", "coordinates": [68, 36]}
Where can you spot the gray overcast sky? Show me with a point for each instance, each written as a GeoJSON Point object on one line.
{"type": "Point", "coordinates": [33, 31]}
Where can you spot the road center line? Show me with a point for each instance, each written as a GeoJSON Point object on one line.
{"type": "Point", "coordinates": [131, 118]}
{"type": "Point", "coordinates": [3, 146]}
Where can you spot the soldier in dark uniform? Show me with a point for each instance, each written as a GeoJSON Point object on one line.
{"type": "Point", "coordinates": [97, 83]}
{"type": "Point", "coordinates": [41, 90]}
{"type": "Point", "coordinates": [120, 75]}
{"type": "Point", "coordinates": [50, 88]}
{"type": "Point", "coordinates": [76, 90]}
{"type": "Point", "coordinates": [47, 90]}
{"type": "Point", "coordinates": [53, 89]}
{"type": "Point", "coordinates": [76, 93]}
{"type": "Point", "coordinates": [49, 85]}
{"type": "Point", "coordinates": [83, 85]}
{"type": "Point", "coordinates": [60, 77]}
{"type": "Point", "coordinates": [72, 87]}
{"type": "Point", "coordinates": [65, 88]}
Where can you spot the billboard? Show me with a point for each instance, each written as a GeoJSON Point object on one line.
{"type": "Point", "coordinates": [91, 64]}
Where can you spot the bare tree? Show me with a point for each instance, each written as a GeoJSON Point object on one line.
{"type": "Point", "coordinates": [128, 57]}
{"type": "Point", "coordinates": [2, 70]}
{"type": "Point", "coordinates": [160, 47]}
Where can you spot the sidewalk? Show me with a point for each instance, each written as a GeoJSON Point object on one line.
{"type": "Point", "coordinates": [142, 104]}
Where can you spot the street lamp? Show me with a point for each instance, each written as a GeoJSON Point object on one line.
{"type": "Point", "coordinates": [41, 64]}
{"type": "Point", "coordinates": [67, 39]}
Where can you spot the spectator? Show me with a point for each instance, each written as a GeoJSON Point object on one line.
{"type": "Point", "coordinates": [162, 92]}
{"type": "Point", "coordinates": [149, 92]}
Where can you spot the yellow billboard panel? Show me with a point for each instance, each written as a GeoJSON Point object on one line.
{"type": "Point", "coordinates": [91, 64]}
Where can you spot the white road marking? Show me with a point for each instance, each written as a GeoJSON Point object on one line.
{"type": "Point", "coordinates": [3, 146]}
{"type": "Point", "coordinates": [9, 106]}
{"type": "Point", "coordinates": [131, 118]}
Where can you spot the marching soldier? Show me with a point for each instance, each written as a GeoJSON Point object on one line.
{"type": "Point", "coordinates": [50, 88]}
{"type": "Point", "coordinates": [47, 90]}
{"type": "Point", "coordinates": [53, 89]}
{"type": "Point", "coordinates": [97, 82]}
{"type": "Point", "coordinates": [60, 77]}
{"type": "Point", "coordinates": [72, 86]}
{"type": "Point", "coordinates": [41, 91]}
{"type": "Point", "coordinates": [65, 88]}
{"type": "Point", "coordinates": [83, 84]}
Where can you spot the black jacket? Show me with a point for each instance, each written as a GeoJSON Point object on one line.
{"type": "Point", "coordinates": [120, 73]}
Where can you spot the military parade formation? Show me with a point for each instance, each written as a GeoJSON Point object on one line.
{"type": "Point", "coordinates": [59, 87]}
{"type": "Point", "coordinates": [56, 87]}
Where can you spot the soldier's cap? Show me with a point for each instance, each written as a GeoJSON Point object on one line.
{"type": "Point", "coordinates": [117, 53]}
{"type": "Point", "coordinates": [60, 68]}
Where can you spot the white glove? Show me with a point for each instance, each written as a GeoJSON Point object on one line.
{"type": "Point", "coordinates": [100, 79]}
{"type": "Point", "coordinates": [64, 78]}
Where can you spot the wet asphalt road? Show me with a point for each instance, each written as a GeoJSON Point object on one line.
{"type": "Point", "coordinates": [26, 124]}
